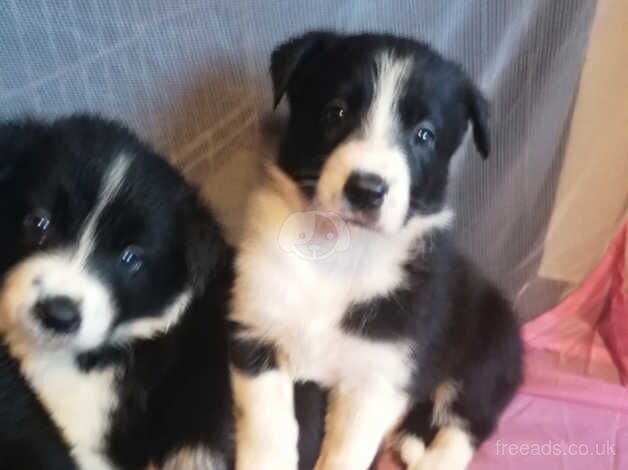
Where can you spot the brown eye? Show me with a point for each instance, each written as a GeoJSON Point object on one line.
{"type": "Point", "coordinates": [37, 226]}
{"type": "Point", "coordinates": [334, 113]}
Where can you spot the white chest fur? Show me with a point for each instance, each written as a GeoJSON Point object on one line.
{"type": "Point", "coordinates": [80, 403]}
{"type": "Point", "coordinates": [298, 304]}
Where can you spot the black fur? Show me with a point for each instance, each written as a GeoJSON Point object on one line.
{"type": "Point", "coordinates": [473, 338]}
{"type": "Point", "coordinates": [310, 403]}
{"type": "Point", "coordinates": [172, 390]}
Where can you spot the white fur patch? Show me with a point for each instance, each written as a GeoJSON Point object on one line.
{"type": "Point", "coordinates": [356, 423]}
{"type": "Point", "coordinates": [373, 150]}
{"type": "Point", "coordinates": [78, 402]}
{"type": "Point", "coordinates": [390, 79]}
{"type": "Point", "coordinates": [411, 449]}
{"type": "Point", "coordinates": [266, 429]}
{"type": "Point", "coordinates": [108, 190]}
{"type": "Point", "coordinates": [145, 328]}
{"type": "Point", "coordinates": [451, 449]}
{"type": "Point", "coordinates": [194, 458]}
{"type": "Point", "coordinates": [299, 303]}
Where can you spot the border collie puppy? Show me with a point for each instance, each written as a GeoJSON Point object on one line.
{"type": "Point", "coordinates": [113, 295]}
{"type": "Point", "coordinates": [346, 275]}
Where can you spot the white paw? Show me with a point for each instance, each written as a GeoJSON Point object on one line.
{"type": "Point", "coordinates": [450, 450]}
{"type": "Point", "coordinates": [411, 450]}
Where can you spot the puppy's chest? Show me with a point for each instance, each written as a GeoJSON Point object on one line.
{"type": "Point", "coordinates": [79, 403]}
{"type": "Point", "coordinates": [300, 309]}
{"type": "Point", "coordinates": [332, 357]}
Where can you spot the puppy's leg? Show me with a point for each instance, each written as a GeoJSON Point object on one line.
{"type": "Point", "coordinates": [356, 423]}
{"type": "Point", "coordinates": [266, 428]}
{"type": "Point", "coordinates": [466, 410]}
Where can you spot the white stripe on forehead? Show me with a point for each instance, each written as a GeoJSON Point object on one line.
{"type": "Point", "coordinates": [390, 78]}
{"type": "Point", "coordinates": [108, 189]}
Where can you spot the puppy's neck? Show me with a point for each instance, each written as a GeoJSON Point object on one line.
{"type": "Point", "coordinates": [376, 251]}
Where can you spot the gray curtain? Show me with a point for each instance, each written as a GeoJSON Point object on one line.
{"type": "Point", "coordinates": [190, 76]}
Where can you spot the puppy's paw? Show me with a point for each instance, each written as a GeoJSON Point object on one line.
{"type": "Point", "coordinates": [411, 450]}
{"type": "Point", "coordinates": [450, 450]}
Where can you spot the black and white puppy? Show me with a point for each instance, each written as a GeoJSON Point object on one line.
{"type": "Point", "coordinates": [346, 275]}
{"type": "Point", "coordinates": [114, 287]}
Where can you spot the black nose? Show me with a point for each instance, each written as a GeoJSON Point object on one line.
{"type": "Point", "coordinates": [365, 190]}
{"type": "Point", "coordinates": [60, 314]}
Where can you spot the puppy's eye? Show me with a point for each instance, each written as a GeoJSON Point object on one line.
{"type": "Point", "coordinates": [334, 113]}
{"type": "Point", "coordinates": [131, 258]}
{"type": "Point", "coordinates": [424, 136]}
{"type": "Point", "coordinates": [37, 226]}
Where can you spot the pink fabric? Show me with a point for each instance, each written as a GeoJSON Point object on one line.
{"type": "Point", "coordinates": [571, 412]}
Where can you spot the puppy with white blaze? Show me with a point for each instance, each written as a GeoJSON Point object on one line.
{"type": "Point", "coordinates": [113, 298]}
{"type": "Point", "coordinates": [368, 298]}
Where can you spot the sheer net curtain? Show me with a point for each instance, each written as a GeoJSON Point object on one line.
{"type": "Point", "coordinates": [191, 77]}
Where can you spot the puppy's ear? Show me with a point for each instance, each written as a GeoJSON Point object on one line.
{"type": "Point", "coordinates": [478, 109]}
{"type": "Point", "coordinates": [205, 249]}
{"type": "Point", "coordinates": [289, 56]}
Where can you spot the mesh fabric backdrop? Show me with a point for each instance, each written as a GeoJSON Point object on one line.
{"type": "Point", "coordinates": [190, 76]}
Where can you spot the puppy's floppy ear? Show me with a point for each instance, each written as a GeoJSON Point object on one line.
{"type": "Point", "coordinates": [287, 57]}
{"type": "Point", "coordinates": [205, 249]}
{"type": "Point", "coordinates": [478, 109]}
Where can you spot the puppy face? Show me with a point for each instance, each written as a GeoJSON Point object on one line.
{"type": "Point", "coordinates": [101, 239]}
{"type": "Point", "coordinates": [373, 123]}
